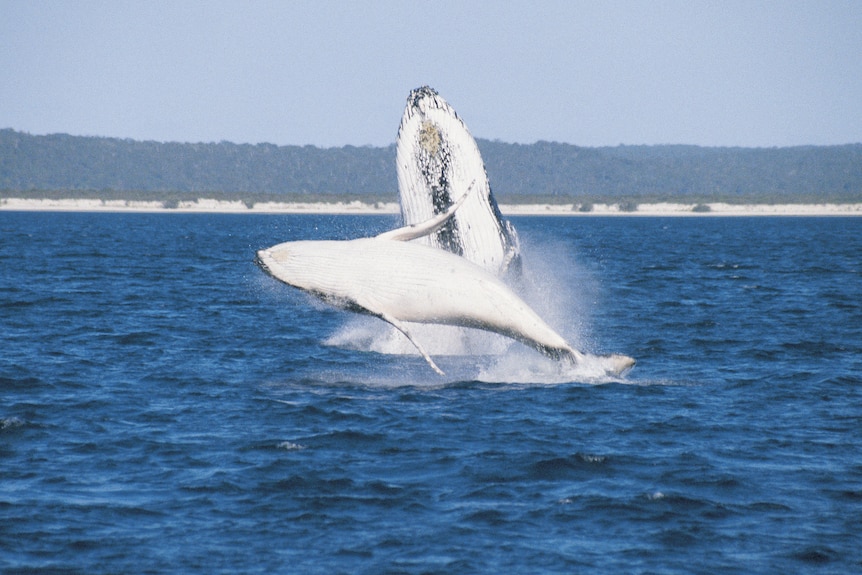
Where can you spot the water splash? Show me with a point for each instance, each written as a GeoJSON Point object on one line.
{"type": "Point", "coordinates": [370, 334]}
{"type": "Point", "coordinates": [531, 368]}
{"type": "Point", "coordinates": [553, 283]}
{"type": "Point", "coordinates": [560, 289]}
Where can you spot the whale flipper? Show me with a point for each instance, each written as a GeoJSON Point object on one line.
{"type": "Point", "coordinates": [403, 329]}
{"type": "Point", "coordinates": [414, 231]}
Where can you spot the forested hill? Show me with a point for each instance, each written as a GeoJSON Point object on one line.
{"type": "Point", "coordinates": [77, 166]}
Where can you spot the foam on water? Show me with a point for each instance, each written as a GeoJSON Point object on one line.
{"type": "Point", "coordinates": [371, 334]}
{"type": "Point", "coordinates": [532, 368]}
{"type": "Point", "coordinates": [290, 446]}
{"type": "Point", "coordinates": [10, 423]}
{"type": "Point", "coordinates": [464, 354]}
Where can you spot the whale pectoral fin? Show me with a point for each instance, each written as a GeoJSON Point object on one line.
{"type": "Point", "coordinates": [408, 233]}
{"type": "Point", "coordinates": [401, 327]}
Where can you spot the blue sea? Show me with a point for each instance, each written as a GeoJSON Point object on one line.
{"type": "Point", "coordinates": [166, 407]}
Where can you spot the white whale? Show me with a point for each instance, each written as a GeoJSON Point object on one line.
{"type": "Point", "coordinates": [435, 154]}
{"type": "Point", "coordinates": [399, 281]}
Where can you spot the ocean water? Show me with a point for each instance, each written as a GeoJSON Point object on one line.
{"type": "Point", "coordinates": [167, 408]}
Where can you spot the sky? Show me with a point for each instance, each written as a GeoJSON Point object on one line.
{"type": "Point", "coordinates": [331, 73]}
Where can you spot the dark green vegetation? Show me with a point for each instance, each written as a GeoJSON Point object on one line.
{"type": "Point", "coordinates": [66, 166]}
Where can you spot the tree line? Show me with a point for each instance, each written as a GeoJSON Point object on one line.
{"type": "Point", "coordinates": [60, 165]}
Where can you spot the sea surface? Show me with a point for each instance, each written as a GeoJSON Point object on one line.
{"type": "Point", "coordinates": [166, 407]}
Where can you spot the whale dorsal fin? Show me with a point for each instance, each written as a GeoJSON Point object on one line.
{"type": "Point", "coordinates": [408, 233]}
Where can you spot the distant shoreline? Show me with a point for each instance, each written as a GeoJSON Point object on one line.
{"type": "Point", "coordinates": [203, 205]}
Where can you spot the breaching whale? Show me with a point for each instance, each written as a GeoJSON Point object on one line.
{"type": "Point", "coordinates": [399, 281]}
{"type": "Point", "coordinates": [435, 154]}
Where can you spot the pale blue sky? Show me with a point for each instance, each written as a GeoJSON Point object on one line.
{"type": "Point", "coordinates": [721, 73]}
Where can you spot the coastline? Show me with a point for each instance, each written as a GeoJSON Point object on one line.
{"type": "Point", "coordinates": [204, 205]}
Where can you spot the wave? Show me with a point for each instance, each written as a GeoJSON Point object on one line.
{"type": "Point", "coordinates": [10, 423]}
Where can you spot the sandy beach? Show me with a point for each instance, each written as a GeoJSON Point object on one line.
{"type": "Point", "coordinates": [204, 205]}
